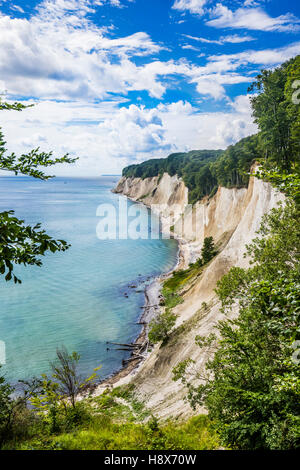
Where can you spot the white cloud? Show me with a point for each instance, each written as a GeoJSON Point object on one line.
{"type": "Point", "coordinates": [193, 6]}
{"type": "Point", "coordinates": [107, 138]}
{"type": "Point", "coordinates": [267, 57]}
{"type": "Point", "coordinates": [212, 84]}
{"type": "Point", "coordinates": [17, 8]}
{"type": "Point", "coordinates": [190, 47]}
{"type": "Point", "coordinates": [233, 39]}
{"type": "Point", "coordinates": [251, 3]}
{"type": "Point", "coordinates": [241, 105]}
{"type": "Point", "coordinates": [59, 53]}
{"type": "Point", "coordinates": [252, 19]}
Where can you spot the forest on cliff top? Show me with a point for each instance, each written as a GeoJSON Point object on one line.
{"type": "Point", "coordinates": [277, 143]}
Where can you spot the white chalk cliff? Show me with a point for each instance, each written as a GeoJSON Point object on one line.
{"type": "Point", "coordinates": [232, 217]}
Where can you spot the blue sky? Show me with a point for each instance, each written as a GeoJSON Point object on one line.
{"type": "Point", "coordinates": [120, 81]}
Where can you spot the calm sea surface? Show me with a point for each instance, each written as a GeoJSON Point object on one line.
{"type": "Point", "coordinates": [76, 298]}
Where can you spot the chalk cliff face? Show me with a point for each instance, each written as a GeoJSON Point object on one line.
{"type": "Point", "coordinates": [232, 217]}
{"type": "Point", "coordinates": [165, 194]}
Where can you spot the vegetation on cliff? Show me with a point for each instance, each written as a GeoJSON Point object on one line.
{"type": "Point", "coordinates": [252, 387]}
{"type": "Point", "coordinates": [252, 383]}
{"type": "Point", "coordinates": [275, 107]}
{"type": "Point", "coordinates": [44, 419]}
{"type": "Point", "coordinates": [160, 328]}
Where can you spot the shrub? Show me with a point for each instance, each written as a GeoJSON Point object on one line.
{"type": "Point", "coordinates": [161, 326]}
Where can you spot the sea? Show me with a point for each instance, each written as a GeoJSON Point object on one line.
{"type": "Point", "coordinates": [84, 299]}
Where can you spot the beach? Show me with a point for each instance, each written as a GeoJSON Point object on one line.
{"type": "Point", "coordinates": [150, 310]}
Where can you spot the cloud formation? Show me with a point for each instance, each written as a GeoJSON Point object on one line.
{"type": "Point", "coordinates": [193, 6]}
{"type": "Point", "coordinates": [252, 19]}
{"type": "Point", "coordinates": [232, 38]}
{"type": "Point", "coordinates": [59, 53]}
{"type": "Point", "coordinates": [107, 138]}
{"type": "Point", "coordinates": [89, 83]}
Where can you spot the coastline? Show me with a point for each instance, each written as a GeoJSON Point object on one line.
{"type": "Point", "coordinates": [151, 308]}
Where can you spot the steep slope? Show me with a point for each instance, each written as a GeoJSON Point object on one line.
{"type": "Point", "coordinates": [232, 217]}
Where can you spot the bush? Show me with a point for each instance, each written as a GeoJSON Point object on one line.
{"type": "Point", "coordinates": [208, 250]}
{"type": "Point", "coordinates": [161, 326]}
{"type": "Point", "coordinates": [252, 391]}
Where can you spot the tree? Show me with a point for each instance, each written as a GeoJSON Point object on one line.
{"type": "Point", "coordinates": [276, 114]}
{"type": "Point", "coordinates": [161, 326]}
{"type": "Point", "coordinates": [21, 244]}
{"type": "Point", "coordinates": [252, 383]}
{"type": "Point", "coordinates": [54, 398]}
{"type": "Point", "coordinates": [65, 372]}
{"type": "Point", "coordinates": [14, 415]}
{"type": "Point", "coordinates": [291, 93]}
{"type": "Point", "coordinates": [6, 409]}
{"type": "Point", "coordinates": [208, 251]}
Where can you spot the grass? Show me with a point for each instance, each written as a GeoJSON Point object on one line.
{"type": "Point", "coordinates": [117, 420]}
{"type": "Point", "coordinates": [102, 433]}
{"type": "Point", "coordinates": [181, 277]}
{"type": "Point", "coordinates": [189, 324]}
{"type": "Point", "coordinates": [171, 299]}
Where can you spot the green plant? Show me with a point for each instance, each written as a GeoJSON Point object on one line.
{"type": "Point", "coordinates": [65, 372]}
{"type": "Point", "coordinates": [161, 327]}
{"type": "Point", "coordinates": [208, 251]}
{"type": "Point", "coordinates": [21, 244]}
{"type": "Point", "coordinates": [252, 385]}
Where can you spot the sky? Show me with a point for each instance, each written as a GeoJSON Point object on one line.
{"type": "Point", "coordinates": [116, 82]}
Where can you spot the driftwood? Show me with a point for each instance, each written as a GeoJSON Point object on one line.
{"type": "Point", "coordinates": [137, 351]}
{"type": "Point", "coordinates": [150, 306]}
{"type": "Point", "coordinates": [127, 361]}
{"type": "Point", "coordinates": [131, 345]}
{"type": "Point", "coordinates": [122, 349]}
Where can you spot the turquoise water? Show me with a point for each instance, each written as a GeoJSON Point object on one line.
{"type": "Point", "coordinates": [76, 298]}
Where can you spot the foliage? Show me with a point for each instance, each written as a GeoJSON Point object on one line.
{"type": "Point", "coordinates": [54, 399]}
{"type": "Point", "coordinates": [252, 384]}
{"type": "Point", "coordinates": [104, 433]}
{"type": "Point", "coordinates": [203, 170]}
{"type": "Point", "coordinates": [179, 278]}
{"type": "Point", "coordinates": [276, 111]}
{"type": "Point", "coordinates": [161, 326]}
{"type": "Point", "coordinates": [47, 402]}
{"type": "Point", "coordinates": [48, 406]}
{"type": "Point", "coordinates": [23, 244]}
{"type": "Point", "coordinates": [208, 251]}
{"type": "Point", "coordinates": [170, 297]}
{"type": "Point", "coordinates": [19, 243]}
{"type": "Point", "coordinates": [193, 167]}
{"type": "Point", "coordinates": [115, 420]}
{"type": "Point", "coordinates": [17, 422]}
{"type": "Point", "coordinates": [6, 409]}
{"type": "Point", "coordinates": [65, 371]}
{"type": "Point", "coordinates": [232, 168]}
{"type": "Point", "coordinates": [13, 106]}
{"type": "Point", "coordinates": [287, 183]}
{"type": "Point", "coordinates": [28, 164]}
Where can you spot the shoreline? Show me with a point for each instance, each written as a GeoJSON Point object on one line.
{"type": "Point", "coordinates": [151, 308]}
